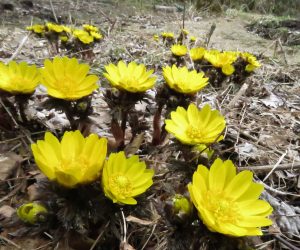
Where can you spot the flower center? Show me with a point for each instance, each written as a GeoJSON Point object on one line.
{"type": "Point", "coordinates": [224, 209]}
{"type": "Point", "coordinates": [120, 185]}
{"type": "Point", "coordinates": [194, 133]}
{"type": "Point", "coordinates": [77, 162]}
{"type": "Point", "coordinates": [67, 86]}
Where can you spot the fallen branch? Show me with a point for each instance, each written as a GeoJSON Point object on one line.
{"type": "Point", "coordinates": [284, 166]}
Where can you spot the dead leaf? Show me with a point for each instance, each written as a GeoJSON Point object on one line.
{"type": "Point", "coordinates": [33, 192]}
{"type": "Point", "coordinates": [8, 162]}
{"type": "Point", "coordinates": [125, 246]}
{"type": "Point", "coordinates": [272, 101]}
{"type": "Point", "coordinates": [134, 146]}
{"type": "Point", "coordinates": [6, 212]}
{"type": "Point", "coordinates": [133, 219]}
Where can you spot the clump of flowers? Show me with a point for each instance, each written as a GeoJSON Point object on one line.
{"type": "Point", "coordinates": [93, 31]}
{"type": "Point", "coordinates": [167, 37]}
{"type": "Point", "coordinates": [37, 29]}
{"type": "Point", "coordinates": [184, 81]}
{"type": "Point", "coordinates": [196, 126]}
{"type": "Point", "coordinates": [251, 61]}
{"type": "Point", "coordinates": [65, 37]}
{"type": "Point", "coordinates": [131, 82]}
{"type": "Point", "coordinates": [222, 60]}
{"type": "Point", "coordinates": [73, 161]}
{"type": "Point", "coordinates": [83, 36]}
{"type": "Point", "coordinates": [180, 90]}
{"type": "Point", "coordinates": [228, 202]}
{"type": "Point", "coordinates": [57, 28]}
{"type": "Point", "coordinates": [125, 178]}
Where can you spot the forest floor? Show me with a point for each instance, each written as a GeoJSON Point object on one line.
{"type": "Point", "coordinates": [262, 116]}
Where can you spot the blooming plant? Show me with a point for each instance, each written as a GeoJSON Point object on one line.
{"type": "Point", "coordinates": [73, 161]}
{"type": "Point", "coordinates": [183, 81]}
{"type": "Point", "coordinates": [222, 60]}
{"type": "Point", "coordinates": [124, 178]}
{"type": "Point", "coordinates": [132, 77]}
{"type": "Point", "coordinates": [18, 78]}
{"type": "Point", "coordinates": [228, 202]}
{"type": "Point", "coordinates": [197, 53]}
{"type": "Point", "coordinates": [37, 28]}
{"type": "Point", "coordinates": [196, 126]}
{"type": "Point", "coordinates": [65, 78]}
{"type": "Point", "coordinates": [251, 60]}
{"type": "Point", "coordinates": [83, 36]}
{"type": "Point", "coordinates": [179, 50]}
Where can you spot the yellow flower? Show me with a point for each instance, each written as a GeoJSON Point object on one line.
{"type": "Point", "coordinates": [66, 29]}
{"type": "Point", "coordinates": [96, 35]}
{"type": "Point", "coordinates": [183, 81]}
{"type": "Point", "coordinates": [194, 126]}
{"type": "Point", "coordinates": [132, 78]}
{"type": "Point", "coordinates": [197, 53]}
{"type": "Point", "coordinates": [156, 38]}
{"type": "Point", "coordinates": [123, 178]}
{"type": "Point", "coordinates": [18, 78]}
{"type": "Point", "coordinates": [222, 60]}
{"type": "Point", "coordinates": [193, 39]}
{"type": "Point", "coordinates": [66, 79]}
{"type": "Point", "coordinates": [228, 202]}
{"type": "Point", "coordinates": [185, 32]}
{"type": "Point", "coordinates": [83, 36]}
{"type": "Point", "coordinates": [179, 50]}
{"type": "Point", "coordinates": [90, 28]}
{"type": "Point", "coordinates": [75, 160]}
{"type": "Point", "coordinates": [36, 28]}
{"type": "Point", "coordinates": [63, 38]}
{"type": "Point", "coordinates": [32, 212]}
{"type": "Point", "coordinates": [251, 60]}
{"type": "Point", "coordinates": [168, 35]}
{"type": "Point", "coordinates": [55, 27]}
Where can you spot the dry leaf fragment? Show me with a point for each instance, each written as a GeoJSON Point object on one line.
{"type": "Point", "coordinates": [134, 146]}
{"type": "Point", "coordinates": [133, 219]}
{"type": "Point", "coordinates": [125, 246]}
{"type": "Point", "coordinates": [6, 212]}
{"type": "Point", "coordinates": [8, 162]}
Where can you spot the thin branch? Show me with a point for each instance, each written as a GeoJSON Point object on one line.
{"type": "Point", "coordinates": [53, 11]}
{"type": "Point", "coordinates": [284, 166]}
{"type": "Point", "coordinates": [99, 236]}
{"type": "Point", "coordinates": [275, 166]}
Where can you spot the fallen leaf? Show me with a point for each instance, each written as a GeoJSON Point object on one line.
{"type": "Point", "coordinates": [6, 212]}
{"type": "Point", "coordinates": [125, 246]}
{"type": "Point", "coordinates": [134, 146]}
{"type": "Point", "coordinates": [272, 101]}
{"type": "Point", "coordinates": [8, 162]}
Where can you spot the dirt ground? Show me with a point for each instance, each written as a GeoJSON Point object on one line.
{"type": "Point", "coordinates": [263, 116]}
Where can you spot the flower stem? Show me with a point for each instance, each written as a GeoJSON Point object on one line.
{"type": "Point", "coordinates": [156, 139]}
